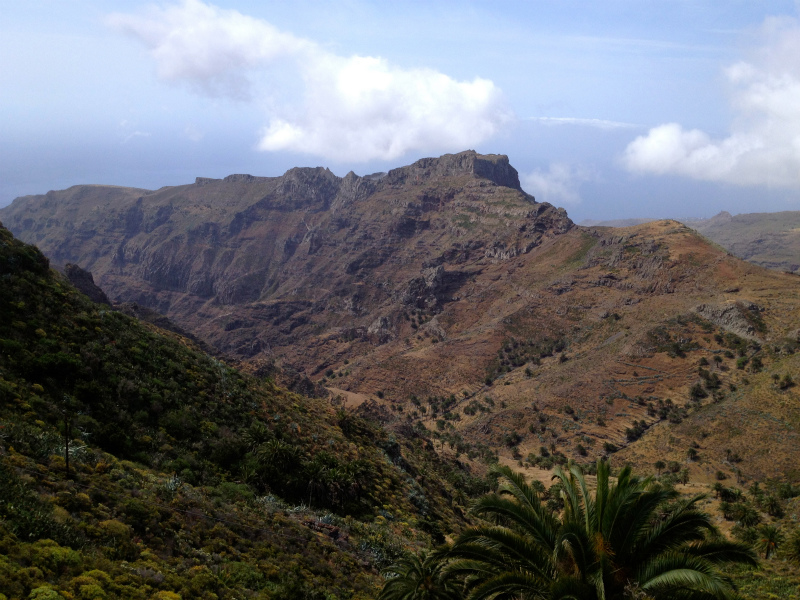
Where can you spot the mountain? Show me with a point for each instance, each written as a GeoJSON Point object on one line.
{"type": "Point", "coordinates": [335, 261]}
{"type": "Point", "coordinates": [444, 296]}
{"type": "Point", "coordinates": [771, 240]}
{"type": "Point", "coordinates": [133, 465]}
{"type": "Point", "coordinates": [614, 222]}
{"type": "Point", "coordinates": [455, 322]}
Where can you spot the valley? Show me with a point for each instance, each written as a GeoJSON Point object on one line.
{"type": "Point", "coordinates": [454, 315]}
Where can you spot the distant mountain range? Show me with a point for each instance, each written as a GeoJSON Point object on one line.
{"type": "Point", "coordinates": [771, 240]}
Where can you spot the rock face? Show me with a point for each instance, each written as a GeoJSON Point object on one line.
{"type": "Point", "coordinates": [259, 265]}
{"type": "Point", "coordinates": [84, 281]}
{"type": "Point", "coordinates": [733, 317]}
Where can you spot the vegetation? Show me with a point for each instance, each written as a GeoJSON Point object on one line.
{"type": "Point", "coordinates": [631, 538]}
{"type": "Point", "coordinates": [133, 465]}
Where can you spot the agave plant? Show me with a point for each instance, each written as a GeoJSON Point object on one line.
{"type": "Point", "coordinates": [629, 538]}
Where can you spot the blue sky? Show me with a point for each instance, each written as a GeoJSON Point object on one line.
{"type": "Point", "coordinates": [617, 109]}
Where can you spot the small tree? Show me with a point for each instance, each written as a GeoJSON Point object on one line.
{"type": "Point", "coordinates": [683, 476]}
{"type": "Point", "coordinates": [773, 506]}
{"type": "Point", "coordinates": [792, 547]}
{"type": "Point", "coordinates": [770, 538]}
{"type": "Point", "coordinates": [419, 578]}
{"type": "Point", "coordinates": [717, 489]}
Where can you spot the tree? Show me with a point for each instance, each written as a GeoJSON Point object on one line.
{"type": "Point", "coordinates": [419, 578]}
{"type": "Point", "coordinates": [68, 411]}
{"type": "Point", "coordinates": [792, 548]}
{"type": "Point", "coordinates": [624, 536]}
{"type": "Point", "coordinates": [717, 488]}
{"type": "Point", "coordinates": [773, 506]}
{"type": "Point", "coordinates": [770, 538]}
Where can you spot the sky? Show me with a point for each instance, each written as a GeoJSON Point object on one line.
{"type": "Point", "coordinates": [614, 109]}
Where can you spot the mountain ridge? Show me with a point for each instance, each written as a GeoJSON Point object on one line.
{"type": "Point", "coordinates": [173, 241]}
{"type": "Point", "coordinates": [444, 300]}
{"type": "Point", "coordinates": [770, 240]}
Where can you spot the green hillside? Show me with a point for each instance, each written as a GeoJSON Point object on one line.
{"type": "Point", "coordinates": [132, 465]}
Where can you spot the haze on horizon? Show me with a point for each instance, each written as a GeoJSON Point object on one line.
{"type": "Point", "coordinates": [669, 108]}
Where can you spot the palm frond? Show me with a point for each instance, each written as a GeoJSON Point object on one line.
{"type": "Point", "coordinates": [722, 551]}
{"type": "Point", "coordinates": [573, 508]}
{"type": "Point", "coordinates": [589, 507]}
{"type": "Point", "coordinates": [575, 546]}
{"type": "Point", "coordinates": [516, 486]}
{"type": "Point", "coordinates": [681, 524]}
{"type": "Point", "coordinates": [540, 526]}
{"type": "Point", "coordinates": [511, 585]}
{"type": "Point", "coordinates": [502, 547]}
{"type": "Point", "coordinates": [669, 584]}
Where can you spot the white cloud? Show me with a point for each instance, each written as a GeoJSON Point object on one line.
{"type": "Point", "coordinates": [596, 123]}
{"type": "Point", "coordinates": [763, 147]}
{"type": "Point", "coordinates": [352, 108]}
{"type": "Point", "coordinates": [208, 47]}
{"type": "Point", "coordinates": [559, 184]}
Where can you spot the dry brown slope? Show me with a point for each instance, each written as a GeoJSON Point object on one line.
{"type": "Point", "coordinates": [619, 300]}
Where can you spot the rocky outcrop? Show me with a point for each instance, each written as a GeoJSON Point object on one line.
{"type": "Point", "coordinates": [424, 291]}
{"type": "Point", "coordinates": [491, 167]}
{"type": "Point", "coordinates": [732, 317]}
{"type": "Point", "coordinates": [380, 331]}
{"type": "Point", "coordinates": [84, 281]}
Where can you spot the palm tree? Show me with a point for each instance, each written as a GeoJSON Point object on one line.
{"type": "Point", "coordinates": [792, 549]}
{"type": "Point", "coordinates": [769, 538]}
{"type": "Point", "coordinates": [773, 506]}
{"type": "Point", "coordinates": [629, 536]}
{"type": "Point", "coordinates": [419, 578]}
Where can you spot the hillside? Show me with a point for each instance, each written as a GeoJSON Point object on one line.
{"type": "Point", "coordinates": [327, 260]}
{"type": "Point", "coordinates": [771, 240]}
{"type": "Point", "coordinates": [446, 293]}
{"type": "Point", "coordinates": [469, 321]}
{"type": "Point", "coordinates": [133, 465]}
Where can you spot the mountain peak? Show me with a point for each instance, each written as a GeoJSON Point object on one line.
{"type": "Point", "coordinates": [494, 167]}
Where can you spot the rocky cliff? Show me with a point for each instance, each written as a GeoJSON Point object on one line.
{"type": "Point", "coordinates": [254, 264]}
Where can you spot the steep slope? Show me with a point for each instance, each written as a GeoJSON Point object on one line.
{"type": "Point", "coordinates": [133, 465]}
{"type": "Point", "coordinates": [279, 267]}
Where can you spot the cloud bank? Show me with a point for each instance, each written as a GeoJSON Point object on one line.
{"type": "Point", "coordinates": [764, 145]}
{"type": "Point", "coordinates": [354, 108]}
{"type": "Point", "coordinates": [558, 185]}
